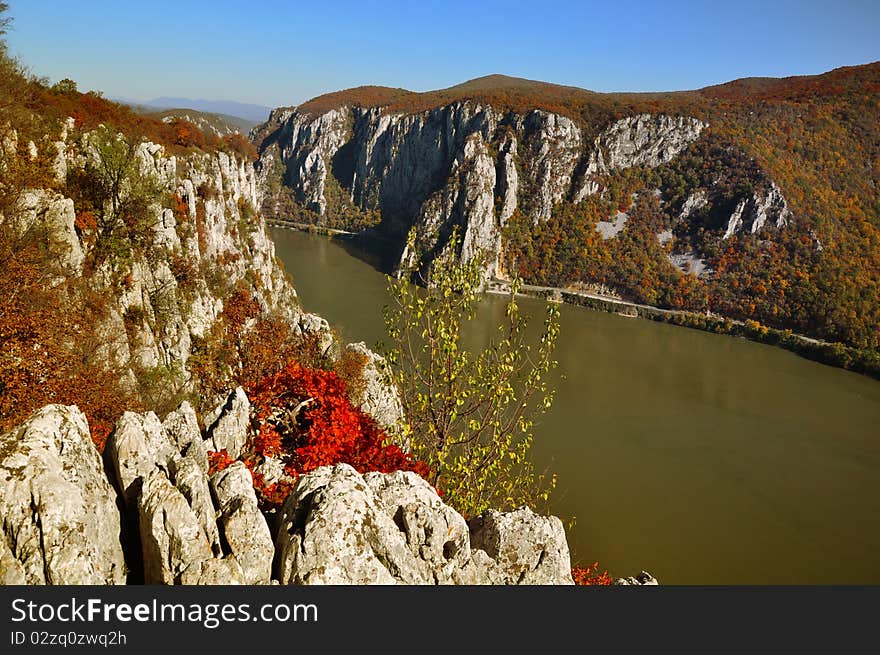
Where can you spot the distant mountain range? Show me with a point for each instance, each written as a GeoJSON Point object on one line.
{"type": "Point", "coordinates": [219, 124]}
{"type": "Point", "coordinates": [249, 112]}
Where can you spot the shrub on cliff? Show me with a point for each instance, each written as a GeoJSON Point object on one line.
{"type": "Point", "coordinates": [304, 418]}
{"type": "Point", "coordinates": [470, 414]}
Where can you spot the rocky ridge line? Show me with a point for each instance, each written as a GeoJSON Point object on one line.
{"type": "Point", "coordinates": [163, 513]}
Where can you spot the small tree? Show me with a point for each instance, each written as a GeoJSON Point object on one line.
{"type": "Point", "coordinates": [469, 415]}
{"type": "Point", "coordinates": [121, 197]}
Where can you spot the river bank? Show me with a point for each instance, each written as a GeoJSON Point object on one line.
{"type": "Point", "coordinates": [832, 354]}
{"type": "Point", "coordinates": [838, 355]}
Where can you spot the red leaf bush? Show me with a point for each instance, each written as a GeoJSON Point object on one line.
{"type": "Point", "coordinates": [590, 576]}
{"type": "Point", "coordinates": [304, 417]}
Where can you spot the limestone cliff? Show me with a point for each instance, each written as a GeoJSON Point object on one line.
{"type": "Point", "coordinates": [465, 164]}
{"type": "Point", "coordinates": [204, 239]}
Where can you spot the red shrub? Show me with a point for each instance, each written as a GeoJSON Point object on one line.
{"type": "Point", "coordinates": [590, 576]}
{"type": "Point", "coordinates": [304, 417]}
{"type": "Point", "coordinates": [218, 460]}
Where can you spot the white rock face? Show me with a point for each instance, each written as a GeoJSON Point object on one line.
{"type": "Point", "coordinates": [642, 140]}
{"type": "Point", "coordinates": [436, 535]}
{"type": "Point", "coordinates": [648, 140]}
{"type": "Point", "coordinates": [689, 262]}
{"type": "Point", "coordinates": [508, 178]}
{"type": "Point", "coordinates": [466, 201]}
{"type": "Point", "coordinates": [610, 229]}
{"type": "Point", "coordinates": [52, 216]}
{"type": "Point", "coordinates": [338, 527]}
{"type": "Point", "coordinates": [171, 536]}
{"type": "Point", "coordinates": [754, 212]}
{"type": "Point", "coordinates": [227, 425]}
{"type": "Point", "coordinates": [244, 527]}
{"type": "Point", "coordinates": [695, 202]}
{"type": "Point", "coordinates": [555, 147]}
{"type": "Point", "coordinates": [464, 164]}
{"type": "Point", "coordinates": [375, 396]}
{"type": "Point", "coordinates": [60, 523]}
{"type": "Point", "coordinates": [182, 426]}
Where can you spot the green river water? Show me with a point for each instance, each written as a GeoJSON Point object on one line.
{"type": "Point", "coordinates": [701, 458]}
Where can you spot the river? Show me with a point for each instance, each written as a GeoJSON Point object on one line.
{"type": "Point", "coordinates": [704, 459]}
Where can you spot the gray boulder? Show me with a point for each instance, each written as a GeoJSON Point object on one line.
{"type": "Point", "coordinates": [171, 536]}
{"type": "Point", "coordinates": [642, 579]}
{"type": "Point", "coordinates": [528, 548]}
{"type": "Point", "coordinates": [182, 426]}
{"type": "Point", "coordinates": [244, 527]}
{"type": "Point", "coordinates": [191, 480]}
{"type": "Point", "coordinates": [60, 523]}
{"type": "Point", "coordinates": [338, 527]}
{"type": "Point", "coordinates": [137, 447]}
{"type": "Point", "coordinates": [227, 426]}
{"type": "Point", "coordinates": [332, 531]}
{"type": "Point", "coordinates": [226, 571]}
{"type": "Point", "coordinates": [435, 534]}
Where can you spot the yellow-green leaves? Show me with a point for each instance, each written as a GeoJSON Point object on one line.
{"type": "Point", "coordinates": [469, 414]}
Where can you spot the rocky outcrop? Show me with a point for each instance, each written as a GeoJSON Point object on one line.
{"type": "Point", "coordinates": [464, 165]}
{"type": "Point", "coordinates": [373, 393]}
{"type": "Point", "coordinates": [50, 216]}
{"type": "Point", "coordinates": [137, 447]}
{"type": "Point", "coordinates": [642, 579]}
{"type": "Point", "coordinates": [60, 523]}
{"type": "Point", "coordinates": [192, 529]}
{"type": "Point", "coordinates": [529, 549]}
{"type": "Point", "coordinates": [227, 424]}
{"type": "Point", "coordinates": [752, 213]}
{"type": "Point", "coordinates": [204, 239]}
{"type": "Point", "coordinates": [338, 527]}
{"type": "Point", "coordinates": [63, 522]}
{"type": "Point", "coordinates": [170, 533]}
{"type": "Point", "coordinates": [244, 527]}
{"type": "Point", "coordinates": [466, 202]}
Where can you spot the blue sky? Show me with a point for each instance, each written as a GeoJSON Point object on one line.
{"type": "Point", "coordinates": [276, 52]}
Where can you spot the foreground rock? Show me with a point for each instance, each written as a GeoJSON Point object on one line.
{"type": "Point", "coordinates": [244, 527]}
{"type": "Point", "coordinates": [60, 523]}
{"type": "Point", "coordinates": [63, 522]}
{"type": "Point", "coordinates": [528, 548]}
{"type": "Point", "coordinates": [641, 580]}
{"type": "Point", "coordinates": [338, 527]}
{"type": "Point", "coordinates": [227, 425]}
{"type": "Point", "coordinates": [192, 529]}
{"type": "Point", "coordinates": [170, 532]}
